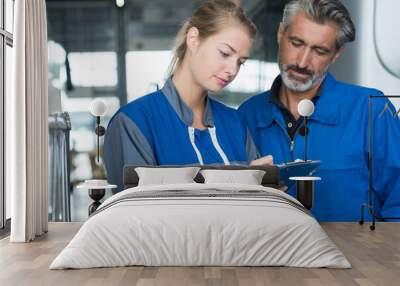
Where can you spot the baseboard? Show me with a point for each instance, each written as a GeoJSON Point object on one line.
{"type": "Point", "coordinates": [5, 231]}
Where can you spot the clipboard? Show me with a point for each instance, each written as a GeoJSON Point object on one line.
{"type": "Point", "coordinates": [294, 169]}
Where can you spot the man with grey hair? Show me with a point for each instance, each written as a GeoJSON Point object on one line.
{"type": "Point", "coordinates": [311, 36]}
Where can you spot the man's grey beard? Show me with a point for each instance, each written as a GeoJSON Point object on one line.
{"type": "Point", "coordinates": [297, 86]}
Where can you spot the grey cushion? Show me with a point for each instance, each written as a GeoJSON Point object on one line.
{"type": "Point", "coordinates": [165, 176]}
{"type": "Point", "coordinates": [248, 177]}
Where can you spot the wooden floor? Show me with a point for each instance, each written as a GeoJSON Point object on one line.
{"type": "Point", "coordinates": [375, 256]}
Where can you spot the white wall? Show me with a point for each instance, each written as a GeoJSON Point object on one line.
{"type": "Point", "coordinates": [359, 63]}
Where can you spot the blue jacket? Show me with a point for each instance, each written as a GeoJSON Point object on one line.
{"type": "Point", "coordinates": [155, 130]}
{"type": "Point", "coordinates": [339, 137]}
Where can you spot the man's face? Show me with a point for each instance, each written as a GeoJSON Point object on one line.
{"type": "Point", "coordinates": [306, 49]}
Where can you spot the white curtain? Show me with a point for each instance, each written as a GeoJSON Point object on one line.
{"type": "Point", "coordinates": [26, 117]}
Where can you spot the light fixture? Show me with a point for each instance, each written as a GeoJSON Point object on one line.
{"type": "Point", "coordinates": [98, 108]}
{"type": "Point", "coordinates": [120, 3]}
{"type": "Point", "coordinates": [306, 109]}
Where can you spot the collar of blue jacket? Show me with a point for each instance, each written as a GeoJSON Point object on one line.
{"type": "Point", "coordinates": [180, 107]}
{"type": "Point", "coordinates": [327, 109]}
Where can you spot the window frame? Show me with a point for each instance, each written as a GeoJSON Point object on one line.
{"type": "Point", "coordinates": [6, 39]}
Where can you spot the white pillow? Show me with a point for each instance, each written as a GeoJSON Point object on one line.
{"type": "Point", "coordinates": [165, 176]}
{"type": "Point", "coordinates": [248, 177]}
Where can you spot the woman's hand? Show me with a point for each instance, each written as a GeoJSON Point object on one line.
{"type": "Point", "coordinates": [266, 160]}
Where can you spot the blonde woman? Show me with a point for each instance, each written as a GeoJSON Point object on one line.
{"type": "Point", "coordinates": [180, 124]}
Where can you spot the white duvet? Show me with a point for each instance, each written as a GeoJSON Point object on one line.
{"type": "Point", "coordinates": [207, 230]}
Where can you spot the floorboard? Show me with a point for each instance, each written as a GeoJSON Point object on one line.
{"type": "Point", "coordinates": [375, 257]}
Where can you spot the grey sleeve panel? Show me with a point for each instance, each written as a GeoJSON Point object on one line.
{"type": "Point", "coordinates": [251, 149]}
{"type": "Point", "coordinates": [125, 144]}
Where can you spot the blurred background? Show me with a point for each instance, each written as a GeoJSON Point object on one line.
{"type": "Point", "coordinates": [100, 50]}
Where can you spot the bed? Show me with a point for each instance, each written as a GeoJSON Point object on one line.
{"type": "Point", "coordinates": [204, 222]}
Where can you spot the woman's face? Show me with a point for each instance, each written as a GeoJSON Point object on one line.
{"type": "Point", "coordinates": [215, 61]}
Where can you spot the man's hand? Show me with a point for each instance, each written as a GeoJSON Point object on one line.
{"type": "Point", "coordinates": [266, 160]}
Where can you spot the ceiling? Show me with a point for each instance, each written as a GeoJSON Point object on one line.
{"type": "Point", "coordinates": [146, 24]}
